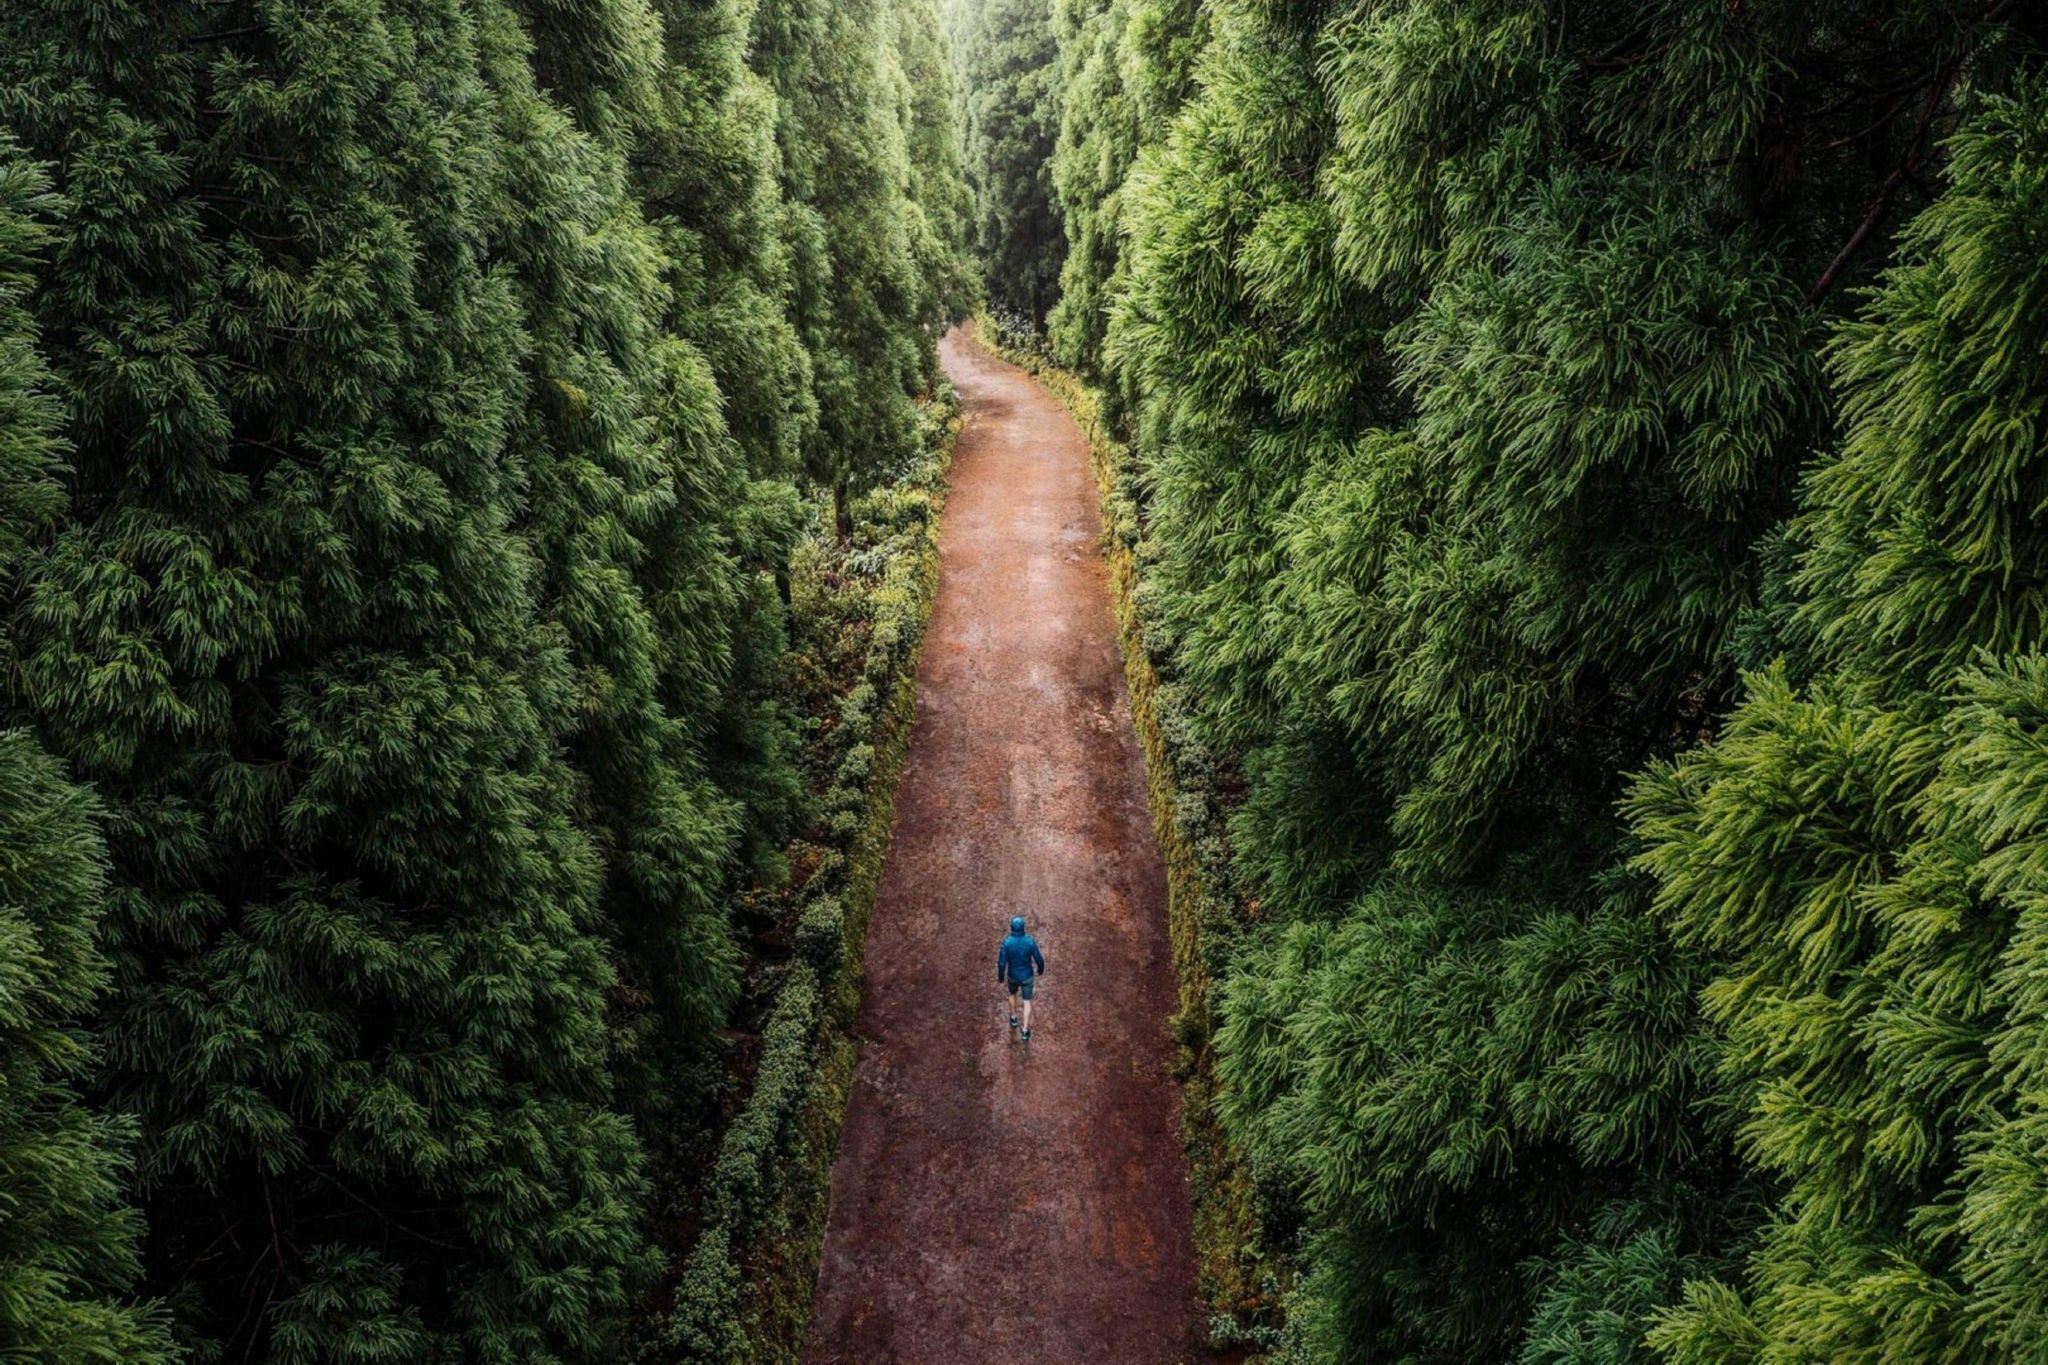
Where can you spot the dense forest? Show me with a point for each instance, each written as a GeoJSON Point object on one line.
{"type": "Point", "coordinates": [417, 422]}
{"type": "Point", "coordinates": [467, 472]}
{"type": "Point", "coordinates": [1591, 464]}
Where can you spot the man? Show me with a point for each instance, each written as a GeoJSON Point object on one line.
{"type": "Point", "coordinates": [1019, 964]}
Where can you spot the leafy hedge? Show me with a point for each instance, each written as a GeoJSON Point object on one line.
{"type": "Point", "coordinates": [746, 1287]}
{"type": "Point", "coordinates": [1242, 1279]}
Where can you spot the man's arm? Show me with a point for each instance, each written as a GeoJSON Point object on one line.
{"type": "Point", "coordinates": [1037, 958]}
{"type": "Point", "coordinates": [999, 964]}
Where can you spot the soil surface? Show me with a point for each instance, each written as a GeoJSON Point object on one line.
{"type": "Point", "coordinates": [994, 1199]}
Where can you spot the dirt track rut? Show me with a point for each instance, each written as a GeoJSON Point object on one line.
{"type": "Point", "coordinates": [993, 1199]}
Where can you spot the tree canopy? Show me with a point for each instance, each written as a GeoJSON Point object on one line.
{"type": "Point", "coordinates": [1586, 498]}
{"type": "Point", "coordinates": [407, 406]}
{"type": "Point", "coordinates": [1585, 509]}
{"type": "Point", "coordinates": [1011, 121]}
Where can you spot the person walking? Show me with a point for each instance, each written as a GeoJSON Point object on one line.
{"type": "Point", "coordinates": [1019, 964]}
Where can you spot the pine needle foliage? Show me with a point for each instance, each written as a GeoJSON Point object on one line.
{"type": "Point", "coordinates": [1124, 68]}
{"type": "Point", "coordinates": [292, 638]}
{"type": "Point", "coordinates": [1008, 69]}
{"type": "Point", "coordinates": [708, 169]}
{"type": "Point", "coordinates": [1858, 850]}
{"type": "Point", "coordinates": [1473, 352]}
{"type": "Point", "coordinates": [69, 1242]}
{"type": "Point", "coordinates": [870, 272]}
{"type": "Point", "coordinates": [434, 381]}
{"type": "Point", "coordinates": [941, 198]}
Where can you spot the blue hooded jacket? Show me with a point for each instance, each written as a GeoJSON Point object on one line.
{"type": "Point", "coordinates": [1019, 959]}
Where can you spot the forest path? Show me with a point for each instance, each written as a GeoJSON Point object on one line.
{"type": "Point", "coordinates": [994, 1199]}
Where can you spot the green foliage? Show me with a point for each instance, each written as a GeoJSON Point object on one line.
{"type": "Point", "coordinates": [1860, 852]}
{"type": "Point", "coordinates": [708, 169]}
{"type": "Point", "coordinates": [942, 203]}
{"type": "Point", "coordinates": [1593, 1296]}
{"type": "Point", "coordinates": [1007, 63]}
{"type": "Point", "coordinates": [1124, 67]}
{"type": "Point", "coordinates": [1596, 416]}
{"type": "Point", "coordinates": [1472, 351]}
{"type": "Point", "coordinates": [30, 494]}
{"type": "Point", "coordinates": [68, 1240]}
{"type": "Point", "coordinates": [636, 503]}
{"type": "Point", "coordinates": [437, 377]}
{"type": "Point", "coordinates": [859, 610]}
{"type": "Point", "coordinates": [1412, 1061]}
{"type": "Point", "coordinates": [873, 276]}
{"type": "Point", "coordinates": [359, 988]}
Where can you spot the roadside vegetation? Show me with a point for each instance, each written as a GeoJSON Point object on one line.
{"type": "Point", "coordinates": [1586, 476]}
{"type": "Point", "coordinates": [455, 460]}
{"type": "Point", "coordinates": [1575, 475]}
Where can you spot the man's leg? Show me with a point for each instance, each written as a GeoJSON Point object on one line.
{"type": "Point", "coordinates": [1027, 1013]}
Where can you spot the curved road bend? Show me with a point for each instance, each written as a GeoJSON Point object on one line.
{"type": "Point", "coordinates": [994, 1199]}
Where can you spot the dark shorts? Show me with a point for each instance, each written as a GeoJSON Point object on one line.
{"type": "Point", "coordinates": [1022, 988]}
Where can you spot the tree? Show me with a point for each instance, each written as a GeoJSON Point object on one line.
{"type": "Point", "coordinates": [291, 635]}
{"type": "Point", "coordinates": [1471, 351]}
{"type": "Point", "coordinates": [858, 279]}
{"type": "Point", "coordinates": [638, 512]}
{"type": "Point", "coordinates": [1007, 62]}
{"type": "Point", "coordinates": [1124, 68]}
{"type": "Point", "coordinates": [68, 1237]}
{"type": "Point", "coordinates": [939, 192]}
{"type": "Point", "coordinates": [1860, 849]}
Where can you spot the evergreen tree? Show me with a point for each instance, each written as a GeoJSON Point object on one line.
{"type": "Point", "coordinates": [938, 184]}
{"type": "Point", "coordinates": [68, 1240]}
{"type": "Point", "coordinates": [709, 172]}
{"type": "Point", "coordinates": [1124, 68]}
{"type": "Point", "coordinates": [1007, 62]}
{"type": "Point", "coordinates": [1473, 349]}
{"type": "Point", "coordinates": [1861, 849]}
{"type": "Point", "coordinates": [636, 509]}
{"type": "Point", "coordinates": [858, 280]}
{"type": "Point", "coordinates": [293, 638]}
{"type": "Point", "coordinates": [438, 373]}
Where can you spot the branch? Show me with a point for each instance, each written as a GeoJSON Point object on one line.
{"type": "Point", "coordinates": [1885, 193]}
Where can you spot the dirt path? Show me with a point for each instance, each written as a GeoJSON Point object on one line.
{"type": "Point", "coordinates": [996, 1200]}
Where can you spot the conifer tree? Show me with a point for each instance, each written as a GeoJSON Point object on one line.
{"type": "Point", "coordinates": [637, 512]}
{"type": "Point", "coordinates": [68, 1239]}
{"type": "Point", "coordinates": [1007, 61]}
{"type": "Point", "coordinates": [1473, 349]}
{"type": "Point", "coordinates": [857, 278]}
{"type": "Point", "coordinates": [709, 171]}
{"type": "Point", "coordinates": [437, 373]}
{"type": "Point", "coordinates": [1861, 848]}
{"type": "Point", "coordinates": [292, 637]}
{"type": "Point", "coordinates": [1124, 68]}
{"type": "Point", "coordinates": [939, 191]}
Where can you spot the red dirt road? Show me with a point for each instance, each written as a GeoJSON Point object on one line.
{"type": "Point", "coordinates": [998, 1200]}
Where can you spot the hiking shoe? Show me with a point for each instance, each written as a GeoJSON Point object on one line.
{"type": "Point", "coordinates": [1013, 1021]}
{"type": "Point", "coordinates": [1027, 1035]}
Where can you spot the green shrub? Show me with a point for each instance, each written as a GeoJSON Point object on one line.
{"type": "Point", "coordinates": [760, 1219]}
